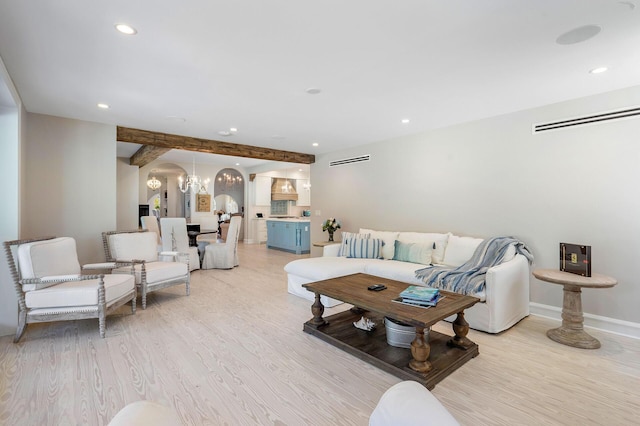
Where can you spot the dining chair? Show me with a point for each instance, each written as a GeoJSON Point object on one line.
{"type": "Point", "coordinates": [224, 255]}
{"type": "Point", "coordinates": [51, 286]}
{"type": "Point", "coordinates": [151, 273]}
{"type": "Point", "coordinates": [150, 223]}
{"type": "Point", "coordinates": [175, 238]}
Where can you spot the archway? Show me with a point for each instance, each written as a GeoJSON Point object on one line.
{"type": "Point", "coordinates": [228, 191]}
{"type": "Point", "coordinates": [163, 196]}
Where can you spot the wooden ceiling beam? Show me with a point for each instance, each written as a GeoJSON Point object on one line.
{"type": "Point", "coordinates": [146, 154]}
{"type": "Point", "coordinates": [168, 141]}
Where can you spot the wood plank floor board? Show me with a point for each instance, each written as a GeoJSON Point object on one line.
{"type": "Point", "coordinates": [234, 353]}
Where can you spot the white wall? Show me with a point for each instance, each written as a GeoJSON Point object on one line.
{"type": "Point", "coordinates": [10, 196]}
{"type": "Point", "coordinates": [127, 195]}
{"type": "Point", "coordinates": [494, 177]}
{"type": "Point", "coordinates": [70, 182]}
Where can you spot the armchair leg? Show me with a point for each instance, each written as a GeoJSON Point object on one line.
{"type": "Point", "coordinates": [22, 325]}
{"type": "Point", "coordinates": [133, 304]}
{"type": "Point", "coordinates": [101, 320]}
{"type": "Point", "coordinates": [144, 296]}
{"type": "Point", "coordinates": [188, 283]}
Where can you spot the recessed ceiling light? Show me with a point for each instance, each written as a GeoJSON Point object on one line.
{"type": "Point", "coordinates": [103, 106]}
{"type": "Point", "coordinates": [299, 170]}
{"type": "Point", "coordinates": [578, 35]}
{"type": "Point", "coordinates": [313, 90]}
{"type": "Point", "coordinates": [237, 164]}
{"type": "Point", "coordinates": [405, 120]}
{"type": "Point", "coordinates": [233, 129]}
{"type": "Point", "coordinates": [315, 144]}
{"type": "Point", "coordinates": [126, 29]}
{"type": "Point", "coordinates": [598, 70]}
{"type": "Point", "coordinates": [224, 133]}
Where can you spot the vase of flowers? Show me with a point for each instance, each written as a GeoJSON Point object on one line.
{"type": "Point", "coordinates": [331, 225]}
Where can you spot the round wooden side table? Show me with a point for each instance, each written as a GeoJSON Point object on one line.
{"type": "Point", "coordinates": [572, 332]}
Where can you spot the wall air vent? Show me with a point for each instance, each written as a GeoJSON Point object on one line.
{"type": "Point", "coordinates": [590, 119]}
{"type": "Point", "coordinates": [351, 160]}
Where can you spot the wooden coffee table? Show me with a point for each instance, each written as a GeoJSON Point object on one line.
{"type": "Point", "coordinates": [428, 361]}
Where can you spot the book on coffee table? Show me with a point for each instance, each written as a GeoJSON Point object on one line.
{"type": "Point", "coordinates": [418, 293]}
{"type": "Point", "coordinates": [418, 303]}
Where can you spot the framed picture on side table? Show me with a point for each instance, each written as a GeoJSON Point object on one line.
{"type": "Point", "coordinates": [576, 259]}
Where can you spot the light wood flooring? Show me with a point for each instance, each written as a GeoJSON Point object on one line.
{"type": "Point", "coordinates": [234, 353]}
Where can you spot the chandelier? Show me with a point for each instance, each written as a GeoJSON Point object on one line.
{"type": "Point", "coordinates": [193, 182]}
{"type": "Point", "coordinates": [229, 180]}
{"type": "Point", "coordinates": [154, 183]}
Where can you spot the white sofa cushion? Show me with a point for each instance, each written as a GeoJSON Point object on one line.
{"type": "Point", "coordinates": [53, 257]}
{"type": "Point", "coordinates": [156, 271]}
{"type": "Point", "coordinates": [79, 293]}
{"type": "Point", "coordinates": [128, 246]}
{"type": "Point", "coordinates": [395, 270]}
{"type": "Point", "coordinates": [388, 237]}
{"type": "Point", "coordinates": [440, 241]}
{"type": "Point", "coordinates": [460, 249]}
{"type": "Point", "coordinates": [323, 268]}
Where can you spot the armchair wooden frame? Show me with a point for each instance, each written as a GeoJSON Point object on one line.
{"type": "Point", "coordinates": [143, 286]}
{"type": "Point", "coordinates": [27, 316]}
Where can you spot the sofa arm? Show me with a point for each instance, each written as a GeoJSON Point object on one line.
{"type": "Point", "coordinates": [507, 290]}
{"type": "Point", "coordinates": [331, 250]}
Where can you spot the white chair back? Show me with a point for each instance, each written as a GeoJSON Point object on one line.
{"type": "Point", "coordinates": [150, 223]}
{"type": "Point", "coordinates": [48, 258]}
{"type": "Point", "coordinates": [128, 246]}
{"type": "Point", "coordinates": [174, 234]}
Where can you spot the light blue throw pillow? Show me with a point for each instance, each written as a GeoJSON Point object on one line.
{"type": "Point", "coordinates": [413, 252]}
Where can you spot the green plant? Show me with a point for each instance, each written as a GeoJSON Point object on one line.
{"type": "Point", "coordinates": [331, 225]}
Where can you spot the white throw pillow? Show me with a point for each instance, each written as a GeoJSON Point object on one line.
{"type": "Point", "coordinates": [460, 249]}
{"type": "Point", "coordinates": [388, 237]}
{"type": "Point", "coordinates": [440, 240]}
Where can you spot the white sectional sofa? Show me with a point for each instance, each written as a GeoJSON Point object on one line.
{"type": "Point", "coordinates": [504, 301]}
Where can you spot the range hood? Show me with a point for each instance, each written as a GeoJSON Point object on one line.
{"type": "Point", "coordinates": [283, 190]}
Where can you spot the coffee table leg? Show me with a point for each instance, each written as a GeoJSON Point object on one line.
{"type": "Point", "coordinates": [420, 350]}
{"type": "Point", "coordinates": [572, 331]}
{"type": "Point", "coordinates": [317, 309]}
{"type": "Point", "coordinates": [460, 328]}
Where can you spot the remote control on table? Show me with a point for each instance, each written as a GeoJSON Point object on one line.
{"type": "Point", "coordinates": [377, 287]}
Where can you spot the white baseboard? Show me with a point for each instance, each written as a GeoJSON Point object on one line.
{"type": "Point", "coordinates": [610, 325]}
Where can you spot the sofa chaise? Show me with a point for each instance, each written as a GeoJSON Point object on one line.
{"type": "Point", "coordinates": [503, 302]}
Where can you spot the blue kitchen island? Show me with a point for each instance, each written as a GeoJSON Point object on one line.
{"type": "Point", "coordinates": [288, 234]}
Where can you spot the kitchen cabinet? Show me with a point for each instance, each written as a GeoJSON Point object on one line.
{"type": "Point", "coordinates": [260, 230]}
{"type": "Point", "coordinates": [304, 194]}
{"type": "Point", "coordinates": [262, 190]}
{"type": "Point", "coordinates": [292, 236]}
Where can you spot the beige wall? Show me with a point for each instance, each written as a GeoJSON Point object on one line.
{"type": "Point", "coordinates": [70, 182]}
{"type": "Point", "coordinates": [127, 195]}
{"type": "Point", "coordinates": [494, 177]}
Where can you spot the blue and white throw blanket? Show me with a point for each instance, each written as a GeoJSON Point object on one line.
{"type": "Point", "coordinates": [469, 278]}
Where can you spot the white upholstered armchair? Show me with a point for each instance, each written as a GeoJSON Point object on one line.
{"type": "Point", "coordinates": [150, 272]}
{"type": "Point", "coordinates": [50, 285]}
